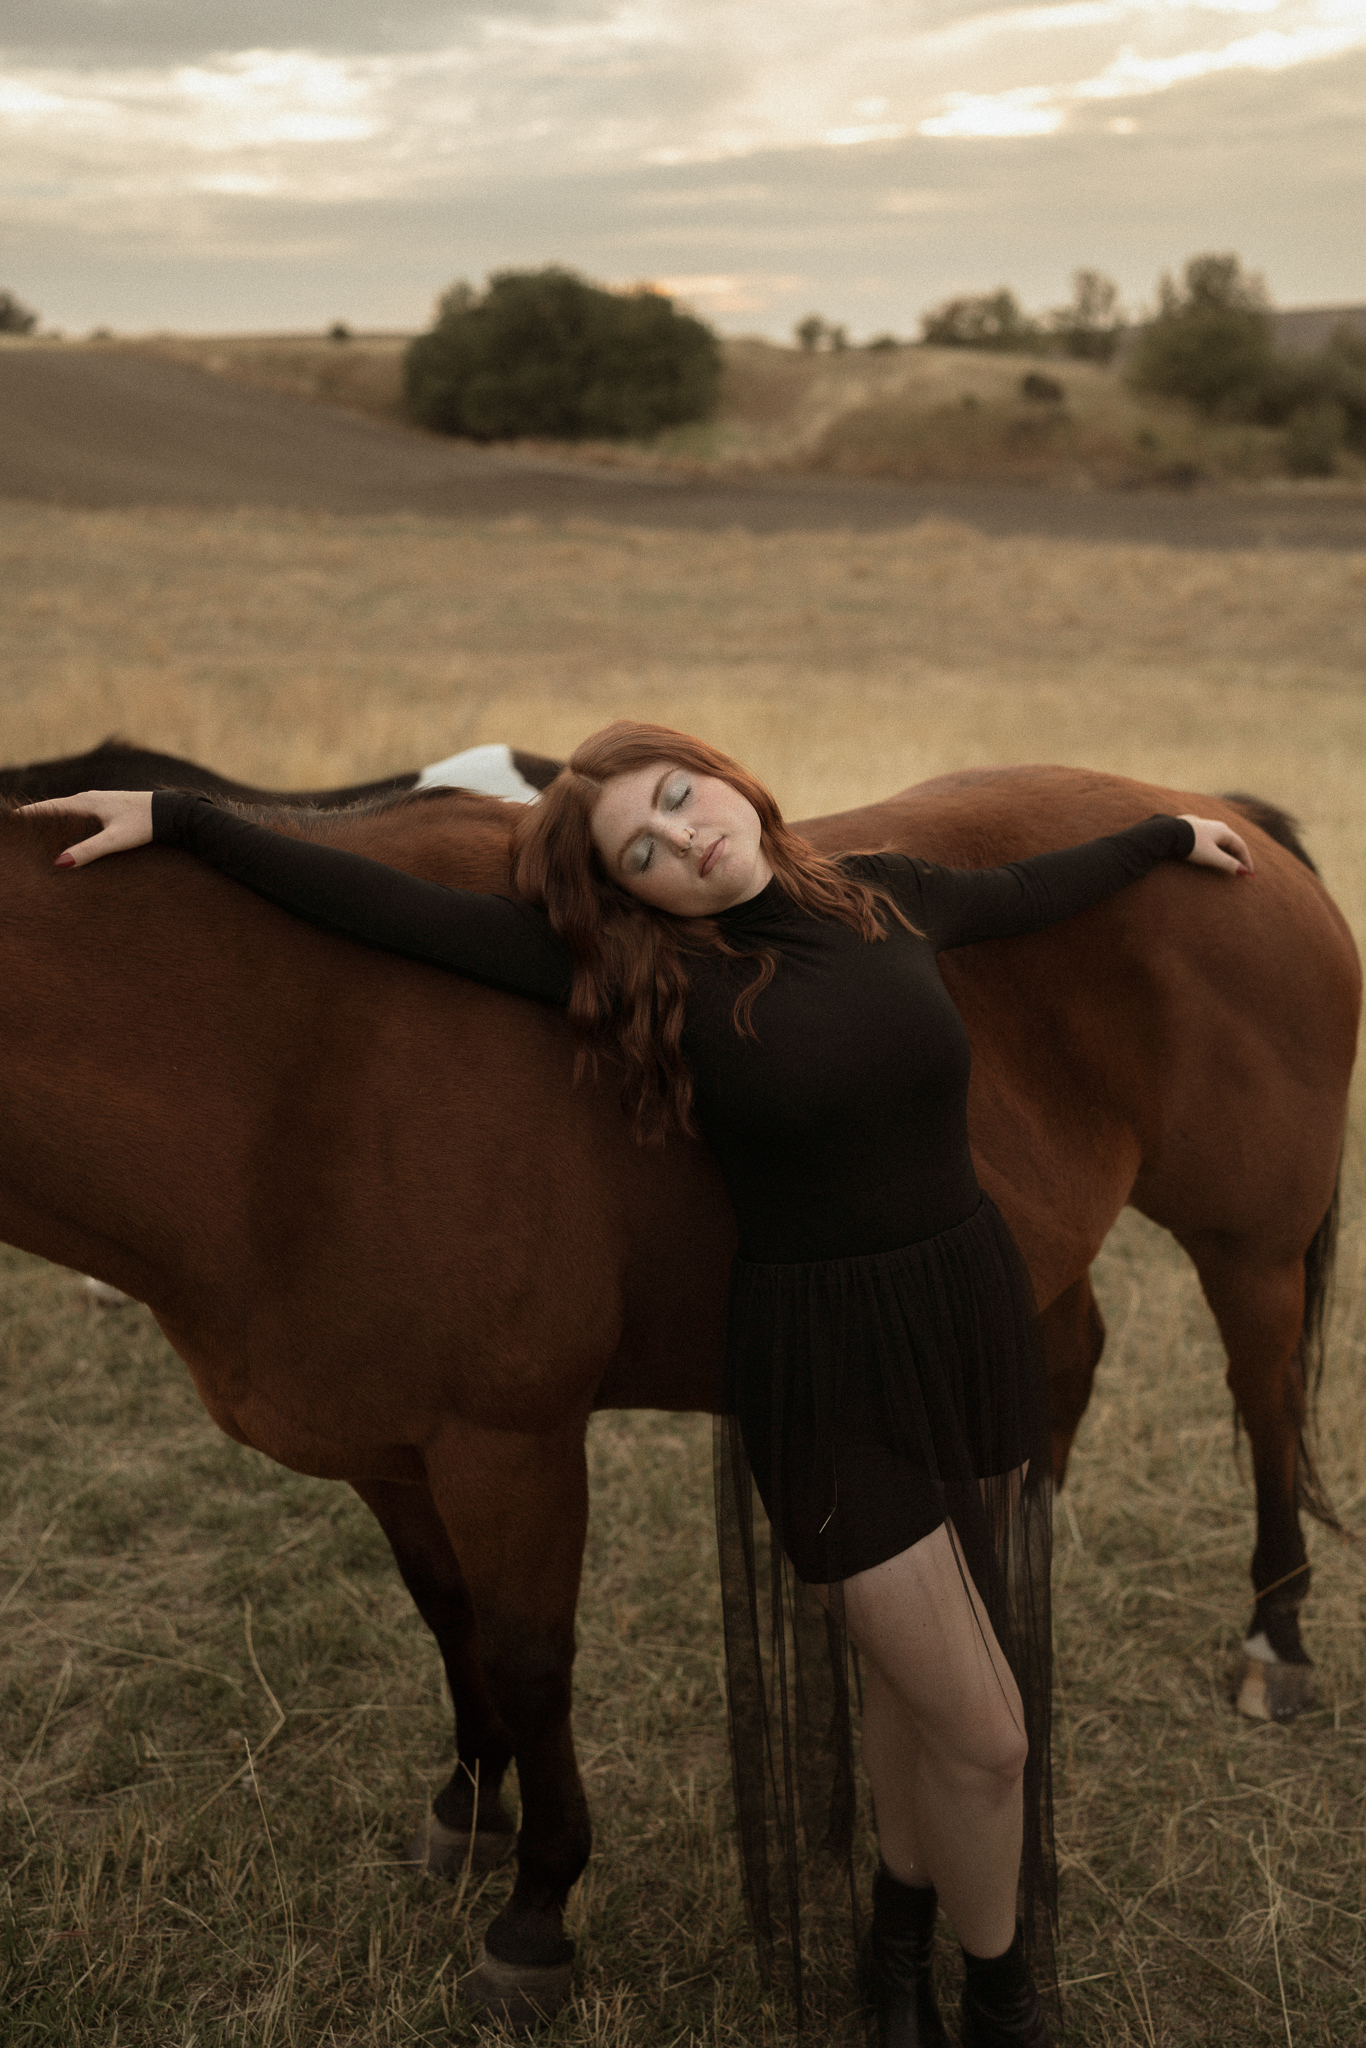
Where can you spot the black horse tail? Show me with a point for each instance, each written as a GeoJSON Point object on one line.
{"type": "Point", "coordinates": [1277, 824]}
{"type": "Point", "coordinates": [1310, 1493]}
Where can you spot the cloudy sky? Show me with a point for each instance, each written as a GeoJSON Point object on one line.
{"type": "Point", "coordinates": [283, 163]}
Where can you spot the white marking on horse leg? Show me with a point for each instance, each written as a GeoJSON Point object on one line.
{"type": "Point", "coordinates": [106, 1296]}
{"type": "Point", "coordinates": [488, 769]}
{"type": "Point", "coordinates": [1271, 1689]}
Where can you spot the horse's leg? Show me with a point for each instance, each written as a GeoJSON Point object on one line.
{"type": "Point", "coordinates": [1072, 1331]}
{"type": "Point", "coordinates": [516, 1509]}
{"type": "Point", "coordinates": [1258, 1303]}
{"type": "Point", "coordinates": [468, 1825]}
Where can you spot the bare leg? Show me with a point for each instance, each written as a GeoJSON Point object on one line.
{"type": "Point", "coordinates": [944, 1739]}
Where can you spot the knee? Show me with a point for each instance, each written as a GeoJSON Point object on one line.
{"type": "Point", "coordinates": [1008, 1755]}
{"type": "Point", "coordinates": [993, 1758]}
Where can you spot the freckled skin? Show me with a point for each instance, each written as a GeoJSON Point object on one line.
{"type": "Point", "coordinates": [683, 843]}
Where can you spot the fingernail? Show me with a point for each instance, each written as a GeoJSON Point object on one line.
{"type": "Point", "coordinates": [65, 860]}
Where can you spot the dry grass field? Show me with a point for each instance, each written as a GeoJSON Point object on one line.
{"type": "Point", "coordinates": [923, 415]}
{"type": "Point", "coordinates": [218, 1710]}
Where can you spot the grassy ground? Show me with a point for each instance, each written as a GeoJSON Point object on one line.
{"type": "Point", "coordinates": [219, 1711]}
{"type": "Point", "coordinates": [925, 415]}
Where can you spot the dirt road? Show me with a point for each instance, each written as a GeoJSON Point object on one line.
{"type": "Point", "coordinates": [99, 428]}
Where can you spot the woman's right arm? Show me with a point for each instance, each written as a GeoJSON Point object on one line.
{"type": "Point", "coordinates": [488, 938]}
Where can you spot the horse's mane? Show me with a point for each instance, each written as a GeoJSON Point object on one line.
{"type": "Point", "coordinates": [449, 835]}
{"type": "Point", "coordinates": [446, 835]}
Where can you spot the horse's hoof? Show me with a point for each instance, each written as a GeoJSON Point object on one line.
{"type": "Point", "coordinates": [1275, 1692]}
{"type": "Point", "coordinates": [105, 1296]}
{"type": "Point", "coordinates": [522, 1995]}
{"type": "Point", "coordinates": [449, 1852]}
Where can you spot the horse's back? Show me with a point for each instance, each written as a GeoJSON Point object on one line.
{"type": "Point", "coordinates": [1186, 1045]}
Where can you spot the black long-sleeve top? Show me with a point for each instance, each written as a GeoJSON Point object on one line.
{"type": "Point", "coordinates": [843, 1128]}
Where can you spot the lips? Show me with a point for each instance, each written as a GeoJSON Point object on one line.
{"type": "Point", "coordinates": [712, 855]}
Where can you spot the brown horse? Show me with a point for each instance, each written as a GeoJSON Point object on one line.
{"type": "Point", "coordinates": [251, 1131]}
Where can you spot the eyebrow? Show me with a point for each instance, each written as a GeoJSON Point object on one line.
{"type": "Point", "coordinates": [654, 805]}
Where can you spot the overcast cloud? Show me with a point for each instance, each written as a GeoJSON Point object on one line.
{"type": "Point", "coordinates": [245, 165]}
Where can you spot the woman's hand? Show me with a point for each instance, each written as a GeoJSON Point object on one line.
{"type": "Point", "coordinates": [126, 815]}
{"type": "Point", "coordinates": [1218, 846]}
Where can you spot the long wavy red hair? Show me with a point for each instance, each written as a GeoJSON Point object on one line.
{"type": "Point", "coordinates": [630, 983]}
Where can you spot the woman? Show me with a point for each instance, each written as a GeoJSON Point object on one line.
{"type": "Point", "coordinates": [880, 1382]}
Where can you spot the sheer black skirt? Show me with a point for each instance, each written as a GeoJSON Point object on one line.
{"type": "Point", "coordinates": [867, 1401]}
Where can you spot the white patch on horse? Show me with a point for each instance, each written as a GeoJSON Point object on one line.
{"type": "Point", "coordinates": [1258, 1649]}
{"type": "Point", "coordinates": [106, 1296]}
{"type": "Point", "coordinates": [488, 769]}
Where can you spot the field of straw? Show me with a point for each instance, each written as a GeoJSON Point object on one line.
{"type": "Point", "coordinates": [925, 415]}
{"type": "Point", "coordinates": [219, 1710]}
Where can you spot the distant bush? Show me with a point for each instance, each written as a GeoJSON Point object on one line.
{"type": "Point", "coordinates": [815, 332]}
{"type": "Point", "coordinates": [1041, 390]}
{"type": "Point", "coordinates": [1211, 342]}
{"type": "Point", "coordinates": [1314, 435]}
{"type": "Point", "coordinates": [1090, 328]}
{"type": "Point", "coordinates": [1213, 345]}
{"type": "Point", "coordinates": [545, 352]}
{"type": "Point", "coordinates": [993, 320]}
{"type": "Point", "coordinates": [15, 318]}
{"type": "Point", "coordinates": [1329, 381]}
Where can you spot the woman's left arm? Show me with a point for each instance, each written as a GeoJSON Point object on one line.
{"type": "Point", "coordinates": [963, 906]}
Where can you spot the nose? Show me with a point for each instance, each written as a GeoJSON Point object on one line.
{"type": "Point", "coordinates": [681, 837]}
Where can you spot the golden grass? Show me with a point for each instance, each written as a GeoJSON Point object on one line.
{"type": "Point", "coordinates": [183, 1865]}
{"type": "Point", "coordinates": [287, 649]}
{"type": "Point", "coordinates": [363, 375]}
{"type": "Point", "coordinates": [924, 415]}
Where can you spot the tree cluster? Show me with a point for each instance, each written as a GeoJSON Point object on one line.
{"type": "Point", "coordinates": [1213, 344]}
{"type": "Point", "coordinates": [1089, 328]}
{"type": "Point", "coordinates": [815, 333]}
{"type": "Point", "coordinates": [544, 352]}
{"type": "Point", "coordinates": [15, 317]}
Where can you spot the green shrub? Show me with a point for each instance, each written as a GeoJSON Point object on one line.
{"type": "Point", "coordinates": [993, 320]}
{"type": "Point", "coordinates": [1211, 343]}
{"type": "Point", "coordinates": [1314, 435]}
{"type": "Point", "coordinates": [15, 318]}
{"type": "Point", "coordinates": [1041, 390]}
{"type": "Point", "coordinates": [1330, 380]}
{"type": "Point", "coordinates": [545, 352]}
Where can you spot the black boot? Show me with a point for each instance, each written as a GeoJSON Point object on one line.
{"type": "Point", "coordinates": [1000, 2005]}
{"type": "Point", "coordinates": [897, 1964]}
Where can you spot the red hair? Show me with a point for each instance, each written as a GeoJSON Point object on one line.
{"type": "Point", "coordinates": [630, 982]}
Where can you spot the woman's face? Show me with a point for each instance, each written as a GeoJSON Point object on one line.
{"type": "Point", "coordinates": [685, 843]}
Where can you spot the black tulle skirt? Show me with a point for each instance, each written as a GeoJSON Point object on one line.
{"type": "Point", "coordinates": [867, 1401]}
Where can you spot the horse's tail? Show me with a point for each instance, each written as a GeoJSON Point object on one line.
{"type": "Point", "coordinates": [1276, 823]}
{"type": "Point", "coordinates": [1310, 1492]}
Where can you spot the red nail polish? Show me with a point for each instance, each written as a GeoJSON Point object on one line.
{"type": "Point", "coordinates": [65, 860]}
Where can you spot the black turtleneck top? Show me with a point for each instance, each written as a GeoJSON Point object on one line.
{"type": "Point", "coordinates": [843, 1128]}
